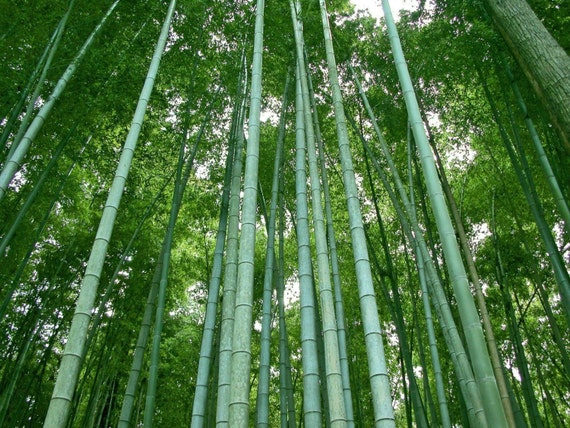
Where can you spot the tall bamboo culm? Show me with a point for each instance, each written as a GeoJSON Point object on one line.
{"type": "Point", "coordinates": [378, 373]}
{"type": "Point", "coordinates": [471, 323]}
{"type": "Point", "coordinates": [241, 341]}
{"type": "Point", "coordinates": [59, 408]}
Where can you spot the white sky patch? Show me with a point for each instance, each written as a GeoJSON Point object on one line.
{"type": "Point", "coordinates": [375, 8]}
{"type": "Point", "coordinates": [292, 291]}
{"type": "Point", "coordinates": [461, 156]}
{"type": "Point", "coordinates": [268, 115]}
{"type": "Point", "coordinates": [558, 231]}
{"type": "Point", "coordinates": [433, 119]}
{"type": "Point", "coordinates": [480, 232]}
{"type": "Point", "coordinates": [203, 171]}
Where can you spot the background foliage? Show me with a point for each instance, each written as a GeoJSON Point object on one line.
{"type": "Point", "coordinates": [452, 52]}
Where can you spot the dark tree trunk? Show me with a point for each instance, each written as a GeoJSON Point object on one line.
{"type": "Point", "coordinates": [544, 62]}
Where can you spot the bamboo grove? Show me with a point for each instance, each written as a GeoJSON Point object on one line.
{"type": "Point", "coordinates": [284, 213]}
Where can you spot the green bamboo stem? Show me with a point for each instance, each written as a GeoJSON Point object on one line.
{"type": "Point", "coordinates": [542, 158]}
{"type": "Point", "coordinates": [66, 381]}
{"type": "Point", "coordinates": [398, 315]}
{"type": "Point", "coordinates": [6, 239]}
{"type": "Point", "coordinates": [42, 64]}
{"type": "Point", "coordinates": [311, 388]}
{"type": "Point", "coordinates": [455, 346]}
{"type": "Point", "coordinates": [99, 314]}
{"type": "Point", "coordinates": [40, 83]}
{"type": "Point", "coordinates": [440, 390]}
{"type": "Point", "coordinates": [178, 191]}
{"type": "Point", "coordinates": [150, 306]}
{"type": "Point", "coordinates": [7, 393]}
{"type": "Point", "coordinates": [179, 188]}
{"type": "Point", "coordinates": [15, 161]}
{"type": "Point", "coordinates": [512, 325]}
{"type": "Point", "coordinates": [241, 341]}
{"type": "Point", "coordinates": [527, 184]}
{"type": "Point", "coordinates": [456, 349]}
{"type": "Point", "coordinates": [206, 348]}
{"type": "Point", "coordinates": [140, 348]}
{"type": "Point", "coordinates": [230, 271]}
{"type": "Point", "coordinates": [378, 374]}
{"type": "Point", "coordinates": [15, 283]}
{"type": "Point", "coordinates": [287, 403]}
{"type": "Point", "coordinates": [262, 404]}
{"type": "Point", "coordinates": [335, 270]}
{"type": "Point", "coordinates": [480, 298]}
{"type": "Point", "coordinates": [330, 335]}
{"type": "Point", "coordinates": [475, 339]}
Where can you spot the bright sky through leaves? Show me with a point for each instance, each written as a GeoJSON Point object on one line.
{"type": "Point", "coordinates": [375, 7]}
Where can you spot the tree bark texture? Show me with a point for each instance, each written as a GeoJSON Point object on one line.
{"type": "Point", "coordinates": [543, 61]}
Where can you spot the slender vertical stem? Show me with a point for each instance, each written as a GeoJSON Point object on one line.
{"type": "Point", "coordinates": [335, 270]}
{"type": "Point", "coordinates": [15, 162]}
{"type": "Point", "coordinates": [230, 271]}
{"type": "Point", "coordinates": [206, 347]}
{"type": "Point", "coordinates": [262, 405]}
{"type": "Point", "coordinates": [311, 386]}
{"type": "Point", "coordinates": [44, 63]}
{"type": "Point", "coordinates": [70, 366]}
{"type": "Point", "coordinates": [378, 373]}
{"type": "Point", "coordinates": [241, 341]}
{"type": "Point", "coordinates": [330, 335]}
{"type": "Point", "coordinates": [542, 158]}
{"type": "Point", "coordinates": [480, 360]}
